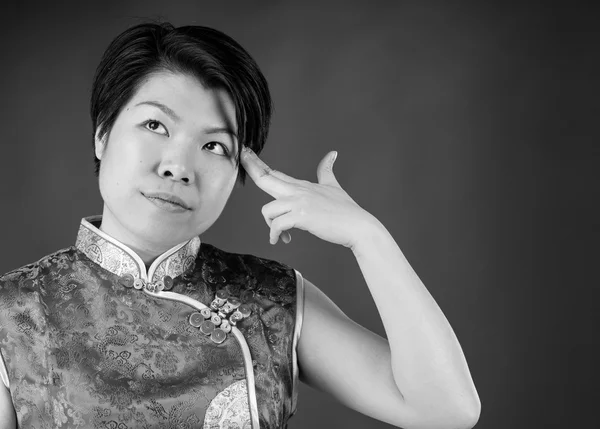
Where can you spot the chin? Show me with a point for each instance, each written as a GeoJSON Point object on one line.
{"type": "Point", "coordinates": [158, 230]}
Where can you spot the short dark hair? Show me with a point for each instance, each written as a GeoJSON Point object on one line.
{"type": "Point", "coordinates": [211, 56]}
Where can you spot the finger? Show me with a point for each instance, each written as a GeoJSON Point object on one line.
{"type": "Point", "coordinates": [275, 209]}
{"type": "Point", "coordinates": [279, 225]}
{"type": "Point", "coordinates": [286, 237]}
{"type": "Point", "coordinates": [252, 162]}
{"type": "Point", "coordinates": [325, 174]}
{"type": "Point", "coordinates": [274, 183]}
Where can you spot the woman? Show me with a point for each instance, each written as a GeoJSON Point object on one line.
{"type": "Point", "coordinates": [139, 324]}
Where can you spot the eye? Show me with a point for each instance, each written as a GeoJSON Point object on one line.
{"type": "Point", "coordinates": [156, 127]}
{"type": "Point", "coordinates": [218, 148]}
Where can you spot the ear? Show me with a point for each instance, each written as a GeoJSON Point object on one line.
{"type": "Point", "coordinates": [99, 143]}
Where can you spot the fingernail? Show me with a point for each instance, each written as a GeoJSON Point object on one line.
{"type": "Point", "coordinates": [334, 156]}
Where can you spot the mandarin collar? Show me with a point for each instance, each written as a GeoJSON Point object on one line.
{"type": "Point", "coordinates": [119, 259]}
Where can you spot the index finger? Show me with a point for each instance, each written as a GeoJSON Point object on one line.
{"type": "Point", "coordinates": [274, 183]}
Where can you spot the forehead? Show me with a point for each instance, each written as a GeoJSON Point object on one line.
{"type": "Point", "coordinates": [188, 98]}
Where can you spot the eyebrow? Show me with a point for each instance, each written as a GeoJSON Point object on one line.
{"type": "Point", "coordinates": [167, 110]}
{"type": "Point", "coordinates": [171, 113]}
{"type": "Point", "coordinates": [221, 130]}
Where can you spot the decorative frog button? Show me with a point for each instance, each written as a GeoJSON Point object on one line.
{"type": "Point", "coordinates": [231, 304]}
{"type": "Point", "coordinates": [127, 280]}
{"type": "Point", "coordinates": [225, 326]}
{"type": "Point", "coordinates": [218, 319]}
{"type": "Point", "coordinates": [196, 319]}
{"type": "Point", "coordinates": [219, 300]}
{"type": "Point", "coordinates": [242, 312]}
{"type": "Point", "coordinates": [218, 336]}
{"type": "Point", "coordinates": [138, 283]}
{"type": "Point", "coordinates": [168, 282]}
{"type": "Point", "coordinates": [215, 319]}
{"type": "Point", "coordinates": [207, 327]}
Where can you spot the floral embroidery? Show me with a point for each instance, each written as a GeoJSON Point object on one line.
{"type": "Point", "coordinates": [166, 362]}
{"type": "Point", "coordinates": [229, 409]}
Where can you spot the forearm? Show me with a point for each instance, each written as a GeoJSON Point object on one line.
{"type": "Point", "coordinates": [427, 361]}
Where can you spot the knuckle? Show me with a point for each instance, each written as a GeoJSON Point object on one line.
{"type": "Point", "coordinates": [266, 171]}
{"type": "Point", "coordinates": [276, 223]}
{"type": "Point", "coordinates": [268, 220]}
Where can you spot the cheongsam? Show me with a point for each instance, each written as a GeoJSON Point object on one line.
{"type": "Point", "coordinates": [90, 338]}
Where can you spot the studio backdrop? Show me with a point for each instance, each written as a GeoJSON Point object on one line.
{"type": "Point", "coordinates": [450, 123]}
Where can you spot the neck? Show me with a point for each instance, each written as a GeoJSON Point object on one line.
{"type": "Point", "coordinates": [147, 251]}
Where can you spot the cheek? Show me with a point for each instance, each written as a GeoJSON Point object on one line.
{"type": "Point", "coordinates": [123, 163]}
{"type": "Point", "coordinates": [220, 180]}
{"type": "Point", "coordinates": [231, 180]}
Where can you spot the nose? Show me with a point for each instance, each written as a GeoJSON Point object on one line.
{"type": "Point", "coordinates": [176, 166]}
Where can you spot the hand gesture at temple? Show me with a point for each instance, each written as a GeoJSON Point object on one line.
{"type": "Point", "coordinates": [324, 209]}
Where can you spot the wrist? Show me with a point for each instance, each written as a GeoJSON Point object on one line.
{"type": "Point", "coordinates": [368, 233]}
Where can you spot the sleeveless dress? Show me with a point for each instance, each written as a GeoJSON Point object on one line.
{"type": "Point", "coordinates": [202, 339]}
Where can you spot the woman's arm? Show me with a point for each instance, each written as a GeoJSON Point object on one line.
{"type": "Point", "coordinates": [418, 378]}
{"type": "Point", "coordinates": [8, 418]}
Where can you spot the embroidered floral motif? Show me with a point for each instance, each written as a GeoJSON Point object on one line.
{"type": "Point", "coordinates": [166, 362]}
{"type": "Point", "coordinates": [229, 409]}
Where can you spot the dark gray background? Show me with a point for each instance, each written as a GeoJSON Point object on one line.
{"type": "Point", "coordinates": [467, 129]}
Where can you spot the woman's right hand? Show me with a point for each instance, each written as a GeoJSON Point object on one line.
{"type": "Point", "coordinates": [8, 417]}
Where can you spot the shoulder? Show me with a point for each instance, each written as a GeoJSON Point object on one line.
{"type": "Point", "coordinates": [272, 279]}
{"type": "Point", "coordinates": [22, 293]}
{"type": "Point", "coordinates": [30, 275]}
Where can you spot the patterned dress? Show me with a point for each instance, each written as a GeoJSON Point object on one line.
{"type": "Point", "coordinates": [202, 339]}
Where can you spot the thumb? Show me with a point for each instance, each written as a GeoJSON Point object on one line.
{"type": "Point", "coordinates": [325, 174]}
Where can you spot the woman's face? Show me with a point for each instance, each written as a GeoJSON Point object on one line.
{"type": "Point", "coordinates": [173, 140]}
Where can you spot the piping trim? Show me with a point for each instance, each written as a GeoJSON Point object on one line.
{"type": "Point", "coordinates": [3, 372]}
{"type": "Point", "coordinates": [296, 339]}
{"type": "Point", "coordinates": [253, 405]}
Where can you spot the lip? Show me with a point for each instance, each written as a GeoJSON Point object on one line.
{"type": "Point", "coordinates": [170, 198]}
